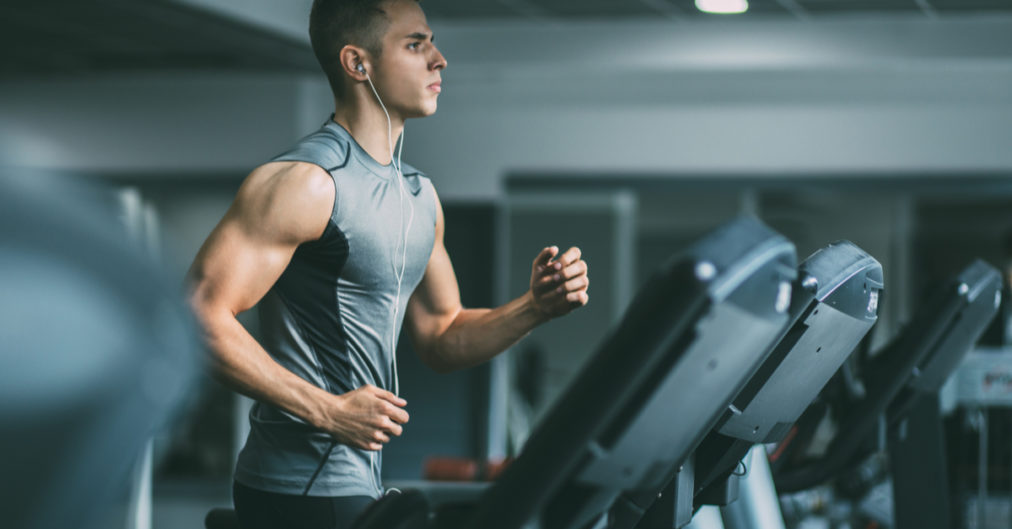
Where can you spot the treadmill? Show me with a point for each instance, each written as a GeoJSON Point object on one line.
{"type": "Point", "coordinates": [692, 337]}
{"type": "Point", "coordinates": [834, 305]}
{"type": "Point", "coordinates": [901, 392]}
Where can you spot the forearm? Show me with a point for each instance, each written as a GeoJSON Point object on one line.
{"type": "Point", "coordinates": [238, 361]}
{"type": "Point", "coordinates": [477, 335]}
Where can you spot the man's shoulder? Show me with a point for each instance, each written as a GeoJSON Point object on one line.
{"type": "Point", "coordinates": [290, 177]}
{"type": "Point", "coordinates": [290, 197]}
{"type": "Point", "coordinates": [286, 184]}
{"type": "Point", "coordinates": [322, 147]}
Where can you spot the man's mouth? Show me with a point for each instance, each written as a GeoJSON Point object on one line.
{"type": "Point", "coordinates": [436, 87]}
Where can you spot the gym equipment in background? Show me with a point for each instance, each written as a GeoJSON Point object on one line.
{"type": "Point", "coordinates": [834, 305]}
{"type": "Point", "coordinates": [900, 387]}
{"type": "Point", "coordinates": [98, 353]}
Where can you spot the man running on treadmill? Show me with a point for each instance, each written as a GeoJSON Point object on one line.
{"type": "Point", "coordinates": [340, 244]}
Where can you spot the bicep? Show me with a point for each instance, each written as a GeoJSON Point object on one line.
{"type": "Point", "coordinates": [275, 211]}
{"type": "Point", "coordinates": [236, 267]}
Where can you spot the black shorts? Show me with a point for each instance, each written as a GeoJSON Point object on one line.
{"type": "Point", "coordinates": [259, 509]}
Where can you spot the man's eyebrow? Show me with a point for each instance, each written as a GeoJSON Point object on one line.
{"type": "Point", "coordinates": [418, 35]}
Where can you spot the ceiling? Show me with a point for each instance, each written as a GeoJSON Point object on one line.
{"type": "Point", "coordinates": [71, 36]}
{"type": "Point", "coordinates": [569, 9]}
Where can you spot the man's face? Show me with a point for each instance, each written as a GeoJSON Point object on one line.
{"type": "Point", "coordinates": [408, 71]}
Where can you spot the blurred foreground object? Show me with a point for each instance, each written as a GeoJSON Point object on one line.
{"type": "Point", "coordinates": [96, 353]}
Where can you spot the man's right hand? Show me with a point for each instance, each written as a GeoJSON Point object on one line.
{"type": "Point", "coordinates": [366, 417]}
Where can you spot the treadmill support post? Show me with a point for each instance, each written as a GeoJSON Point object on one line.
{"type": "Point", "coordinates": [673, 508]}
{"type": "Point", "coordinates": [758, 504]}
{"type": "Point", "coordinates": [918, 466]}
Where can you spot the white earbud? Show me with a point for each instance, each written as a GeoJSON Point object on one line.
{"type": "Point", "coordinates": [360, 68]}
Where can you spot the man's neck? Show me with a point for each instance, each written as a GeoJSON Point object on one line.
{"type": "Point", "coordinates": [365, 121]}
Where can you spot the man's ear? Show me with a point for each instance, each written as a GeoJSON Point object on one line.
{"type": "Point", "coordinates": [354, 62]}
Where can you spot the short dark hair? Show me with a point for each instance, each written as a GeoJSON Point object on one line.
{"type": "Point", "coordinates": [333, 24]}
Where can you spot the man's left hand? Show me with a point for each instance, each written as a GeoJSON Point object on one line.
{"type": "Point", "coordinates": [558, 286]}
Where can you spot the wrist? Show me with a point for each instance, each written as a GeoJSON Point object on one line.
{"type": "Point", "coordinates": [531, 307]}
{"type": "Point", "coordinates": [323, 407]}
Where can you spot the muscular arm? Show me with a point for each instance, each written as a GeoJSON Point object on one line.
{"type": "Point", "coordinates": [278, 207]}
{"type": "Point", "coordinates": [449, 337]}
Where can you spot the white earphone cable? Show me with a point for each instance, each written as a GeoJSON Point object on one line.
{"type": "Point", "coordinates": [399, 274]}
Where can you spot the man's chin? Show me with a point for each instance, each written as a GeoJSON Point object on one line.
{"type": "Point", "coordinates": [423, 112]}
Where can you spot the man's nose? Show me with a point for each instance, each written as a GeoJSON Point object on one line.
{"type": "Point", "coordinates": [439, 62]}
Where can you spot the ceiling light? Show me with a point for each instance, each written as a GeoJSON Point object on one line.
{"type": "Point", "coordinates": [723, 7]}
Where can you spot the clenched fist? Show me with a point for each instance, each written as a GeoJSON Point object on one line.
{"type": "Point", "coordinates": [366, 417]}
{"type": "Point", "coordinates": [559, 285]}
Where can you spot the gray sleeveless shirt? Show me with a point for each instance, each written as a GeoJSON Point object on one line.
{"type": "Point", "coordinates": [330, 317]}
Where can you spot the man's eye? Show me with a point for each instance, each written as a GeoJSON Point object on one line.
{"type": "Point", "coordinates": [414, 45]}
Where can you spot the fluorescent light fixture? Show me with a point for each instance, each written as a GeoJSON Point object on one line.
{"type": "Point", "coordinates": [723, 7]}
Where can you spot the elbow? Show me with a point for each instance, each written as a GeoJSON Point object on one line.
{"type": "Point", "coordinates": [199, 307]}
{"type": "Point", "coordinates": [206, 322]}
{"type": "Point", "coordinates": [210, 315]}
{"type": "Point", "coordinates": [436, 360]}
{"type": "Point", "coordinates": [211, 325]}
{"type": "Point", "coordinates": [439, 346]}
